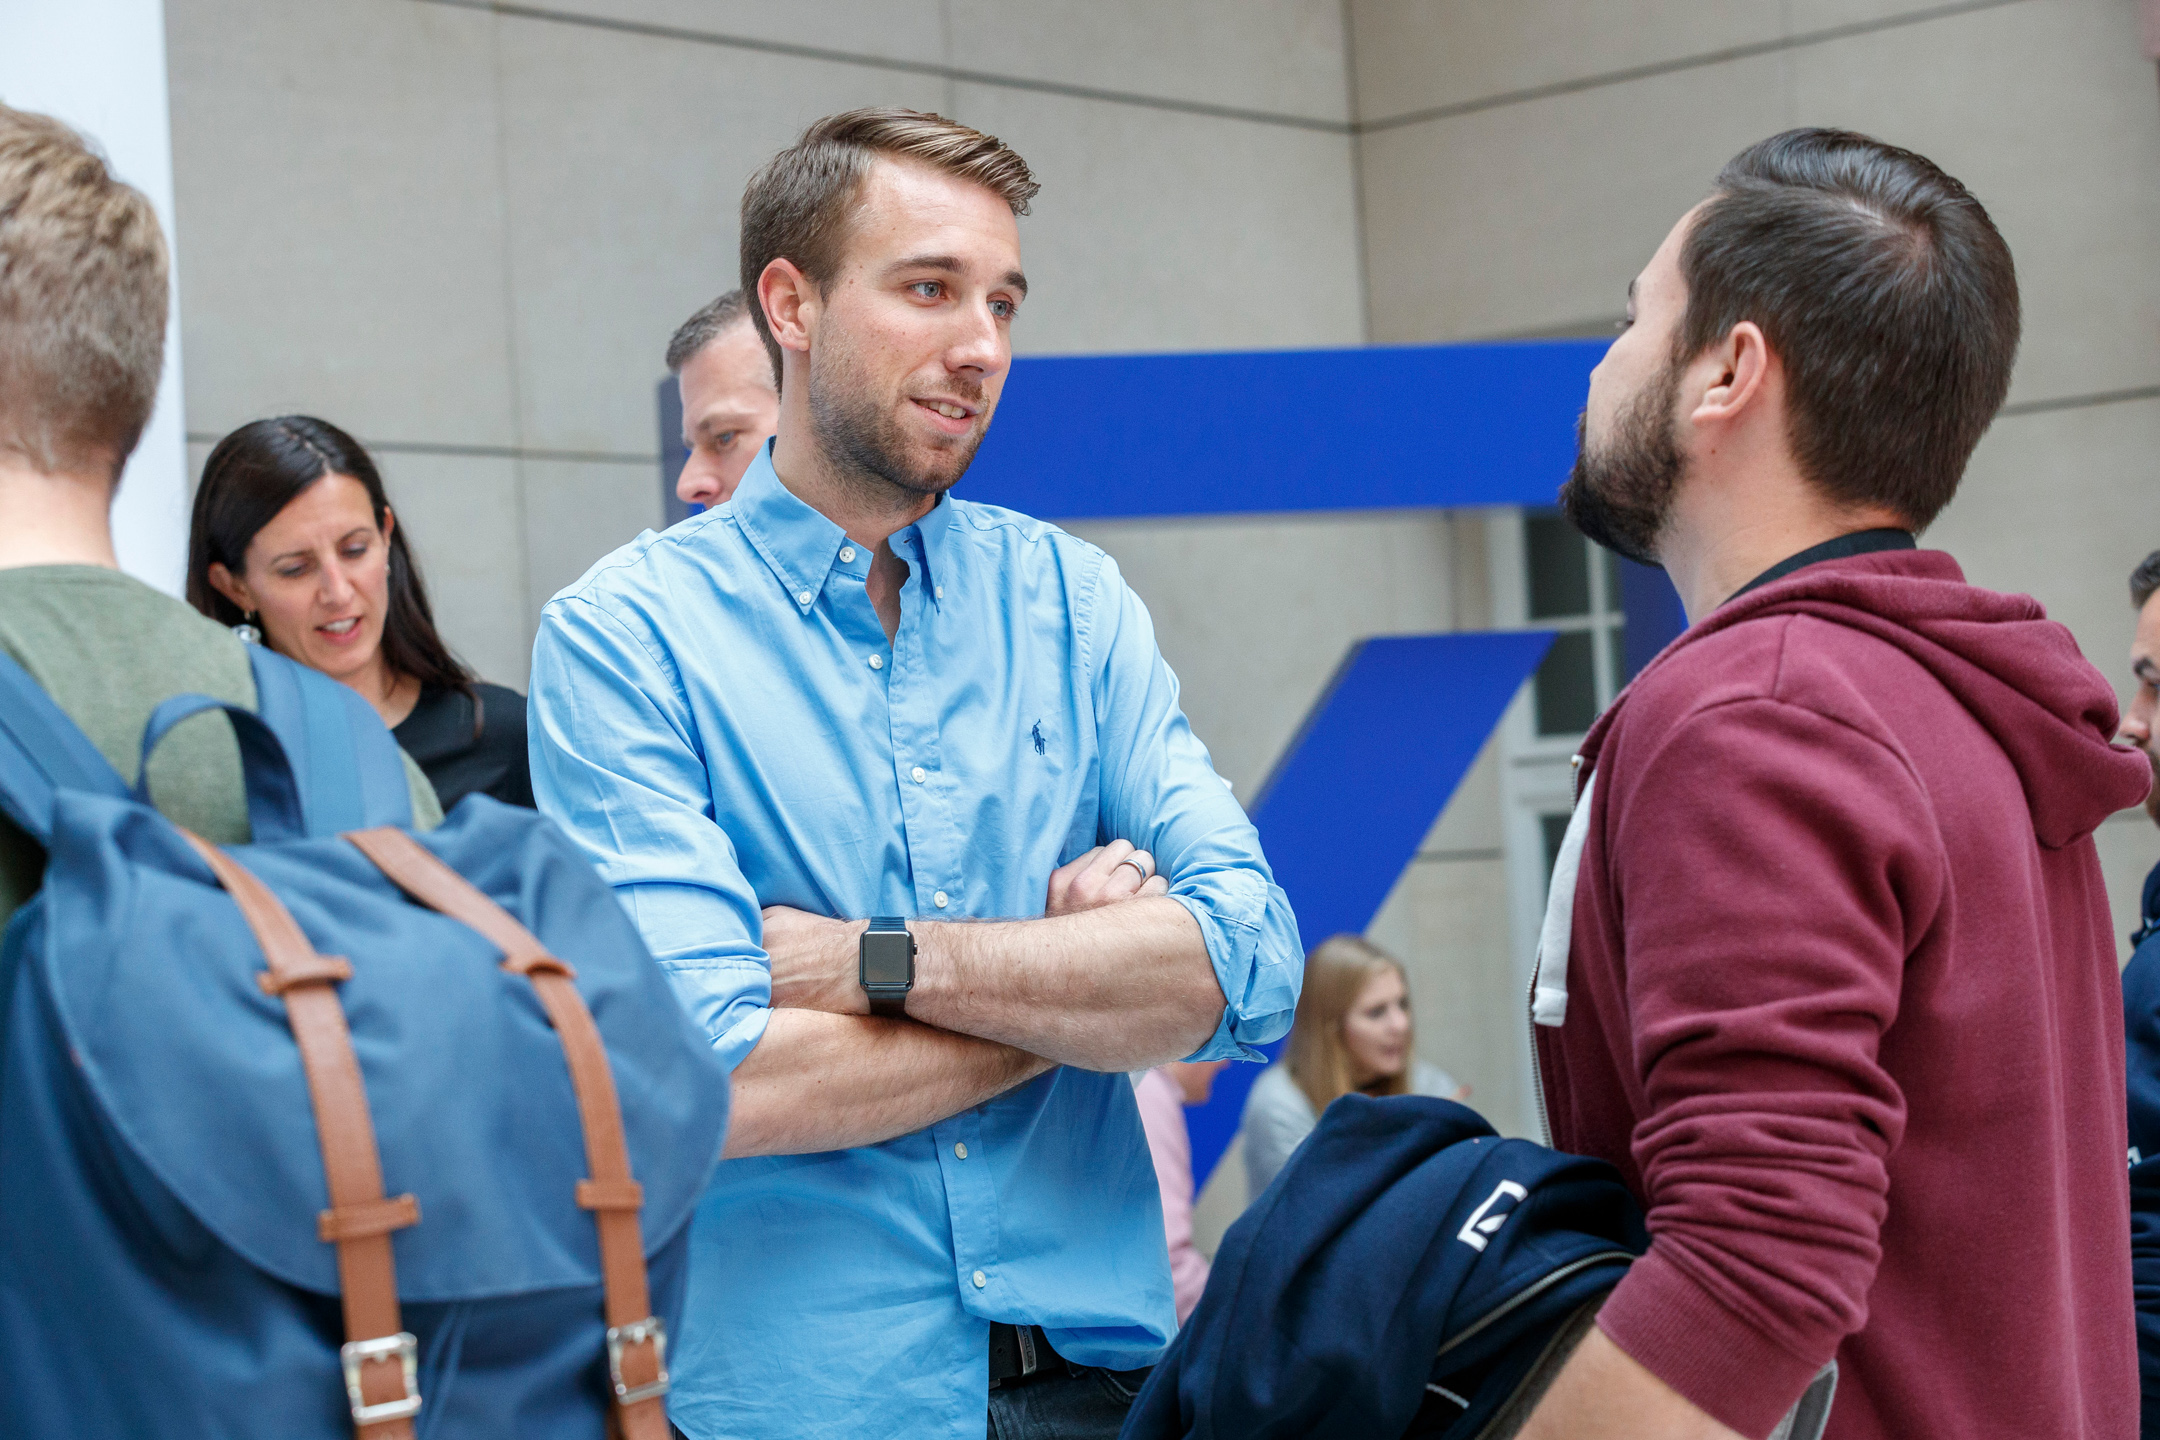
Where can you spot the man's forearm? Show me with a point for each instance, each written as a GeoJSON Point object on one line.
{"type": "Point", "coordinates": [1120, 987]}
{"type": "Point", "coordinates": [1601, 1393]}
{"type": "Point", "coordinates": [830, 1082]}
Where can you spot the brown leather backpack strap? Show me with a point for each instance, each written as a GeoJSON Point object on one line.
{"type": "Point", "coordinates": [380, 1360]}
{"type": "Point", "coordinates": [636, 1340]}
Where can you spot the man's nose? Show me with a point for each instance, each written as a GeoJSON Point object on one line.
{"type": "Point", "coordinates": [695, 487]}
{"type": "Point", "coordinates": [980, 346]}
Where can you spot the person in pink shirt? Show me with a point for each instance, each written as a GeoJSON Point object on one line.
{"type": "Point", "coordinates": [1163, 1093]}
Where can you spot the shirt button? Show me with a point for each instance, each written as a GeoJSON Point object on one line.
{"type": "Point", "coordinates": [980, 1279]}
{"type": "Point", "coordinates": [940, 592]}
{"type": "Point", "coordinates": [959, 1150]}
{"type": "Point", "coordinates": [847, 553]}
{"type": "Point", "coordinates": [877, 662]}
{"type": "Point", "coordinates": [918, 774]}
{"type": "Point", "coordinates": [804, 597]}
{"type": "Point", "coordinates": [938, 899]}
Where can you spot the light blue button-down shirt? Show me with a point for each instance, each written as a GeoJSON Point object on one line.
{"type": "Point", "coordinates": [718, 718]}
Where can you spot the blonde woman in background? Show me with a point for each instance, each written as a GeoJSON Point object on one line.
{"type": "Point", "coordinates": [1353, 1032]}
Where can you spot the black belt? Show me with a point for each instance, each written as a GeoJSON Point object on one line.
{"type": "Point", "coordinates": [1020, 1353]}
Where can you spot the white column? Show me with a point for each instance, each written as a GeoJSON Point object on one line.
{"type": "Point", "coordinates": [99, 65]}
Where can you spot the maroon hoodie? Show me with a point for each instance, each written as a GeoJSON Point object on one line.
{"type": "Point", "coordinates": [1843, 1007]}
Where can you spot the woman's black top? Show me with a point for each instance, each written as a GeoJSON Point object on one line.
{"type": "Point", "coordinates": [470, 744]}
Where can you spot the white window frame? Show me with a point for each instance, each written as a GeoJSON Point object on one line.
{"type": "Point", "coordinates": [1536, 776]}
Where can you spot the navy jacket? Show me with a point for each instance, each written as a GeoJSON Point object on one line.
{"type": "Point", "coordinates": [2141, 1017]}
{"type": "Point", "coordinates": [1401, 1229]}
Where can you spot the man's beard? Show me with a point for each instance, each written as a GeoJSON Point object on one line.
{"type": "Point", "coordinates": [864, 442]}
{"type": "Point", "coordinates": [1620, 496]}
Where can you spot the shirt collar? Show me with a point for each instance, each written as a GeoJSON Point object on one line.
{"type": "Point", "coordinates": [933, 546]}
{"type": "Point", "coordinates": [801, 546]}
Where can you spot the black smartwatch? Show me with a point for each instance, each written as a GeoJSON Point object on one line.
{"type": "Point", "coordinates": [888, 965]}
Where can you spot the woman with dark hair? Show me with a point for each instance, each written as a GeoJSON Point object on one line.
{"type": "Point", "coordinates": [294, 546]}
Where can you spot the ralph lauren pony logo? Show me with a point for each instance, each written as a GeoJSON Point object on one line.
{"type": "Point", "coordinates": [1041, 745]}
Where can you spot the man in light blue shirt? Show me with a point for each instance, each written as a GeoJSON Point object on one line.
{"type": "Point", "coordinates": [842, 695]}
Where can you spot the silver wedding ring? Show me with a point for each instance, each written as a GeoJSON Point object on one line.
{"type": "Point", "coordinates": [1144, 874]}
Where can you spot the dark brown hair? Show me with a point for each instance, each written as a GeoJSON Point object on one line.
{"type": "Point", "coordinates": [2145, 580]}
{"type": "Point", "coordinates": [82, 301]}
{"type": "Point", "coordinates": [706, 326]}
{"type": "Point", "coordinates": [1886, 291]}
{"type": "Point", "coordinates": [257, 471]}
{"type": "Point", "coordinates": [797, 206]}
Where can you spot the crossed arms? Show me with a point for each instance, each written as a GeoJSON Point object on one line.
{"type": "Point", "coordinates": [1115, 976]}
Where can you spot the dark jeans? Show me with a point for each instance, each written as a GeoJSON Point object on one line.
{"type": "Point", "coordinates": [1085, 1405]}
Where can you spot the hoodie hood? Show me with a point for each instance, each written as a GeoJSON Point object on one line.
{"type": "Point", "coordinates": [2017, 672]}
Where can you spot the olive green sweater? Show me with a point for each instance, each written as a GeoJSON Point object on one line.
{"type": "Point", "coordinates": [110, 649]}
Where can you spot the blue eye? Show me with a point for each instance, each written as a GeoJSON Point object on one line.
{"type": "Point", "coordinates": [928, 289]}
{"type": "Point", "coordinates": [1004, 309]}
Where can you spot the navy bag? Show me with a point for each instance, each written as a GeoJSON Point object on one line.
{"type": "Point", "coordinates": [1404, 1273]}
{"type": "Point", "coordinates": [1407, 1273]}
{"type": "Point", "coordinates": [292, 1148]}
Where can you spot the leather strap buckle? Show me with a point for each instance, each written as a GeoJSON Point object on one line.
{"type": "Point", "coordinates": [401, 1347]}
{"type": "Point", "coordinates": [649, 1331]}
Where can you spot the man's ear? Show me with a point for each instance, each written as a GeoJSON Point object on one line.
{"type": "Point", "coordinates": [233, 588]}
{"type": "Point", "coordinates": [791, 304]}
{"type": "Point", "coordinates": [1738, 370]}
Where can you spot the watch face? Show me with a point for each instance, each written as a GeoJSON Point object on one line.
{"type": "Point", "coordinates": [886, 961]}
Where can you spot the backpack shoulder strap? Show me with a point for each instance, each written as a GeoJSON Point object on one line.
{"type": "Point", "coordinates": [379, 1357]}
{"type": "Point", "coordinates": [636, 1338]}
{"type": "Point", "coordinates": [42, 752]}
{"type": "Point", "coordinates": [351, 773]}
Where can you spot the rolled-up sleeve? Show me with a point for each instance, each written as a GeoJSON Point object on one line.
{"type": "Point", "coordinates": [1160, 791]}
{"type": "Point", "coordinates": [615, 762]}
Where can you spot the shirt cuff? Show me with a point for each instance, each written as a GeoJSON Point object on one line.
{"type": "Point", "coordinates": [1224, 1045]}
{"type": "Point", "coordinates": [1230, 947]}
{"type": "Point", "coordinates": [727, 1000]}
{"type": "Point", "coordinates": [1717, 1362]}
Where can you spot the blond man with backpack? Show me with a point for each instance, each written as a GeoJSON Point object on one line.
{"type": "Point", "coordinates": [312, 1123]}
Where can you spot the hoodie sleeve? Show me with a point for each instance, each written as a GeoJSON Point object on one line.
{"type": "Point", "coordinates": [1772, 868]}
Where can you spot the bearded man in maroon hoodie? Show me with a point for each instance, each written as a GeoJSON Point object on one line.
{"type": "Point", "coordinates": [1828, 971]}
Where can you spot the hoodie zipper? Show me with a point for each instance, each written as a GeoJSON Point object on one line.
{"type": "Point", "coordinates": [1537, 1070]}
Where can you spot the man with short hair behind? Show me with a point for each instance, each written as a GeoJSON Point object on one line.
{"type": "Point", "coordinates": [2141, 1004]}
{"type": "Point", "coordinates": [844, 707]}
{"type": "Point", "coordinates": [729, 405]}
{"type": "Point", "coordinates": [1839, 997]}
{"type": "Point", "coordinates": [83, 275]}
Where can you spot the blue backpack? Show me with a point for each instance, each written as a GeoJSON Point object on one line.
{"type": "Point", "coordinates": [317, 1134]}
